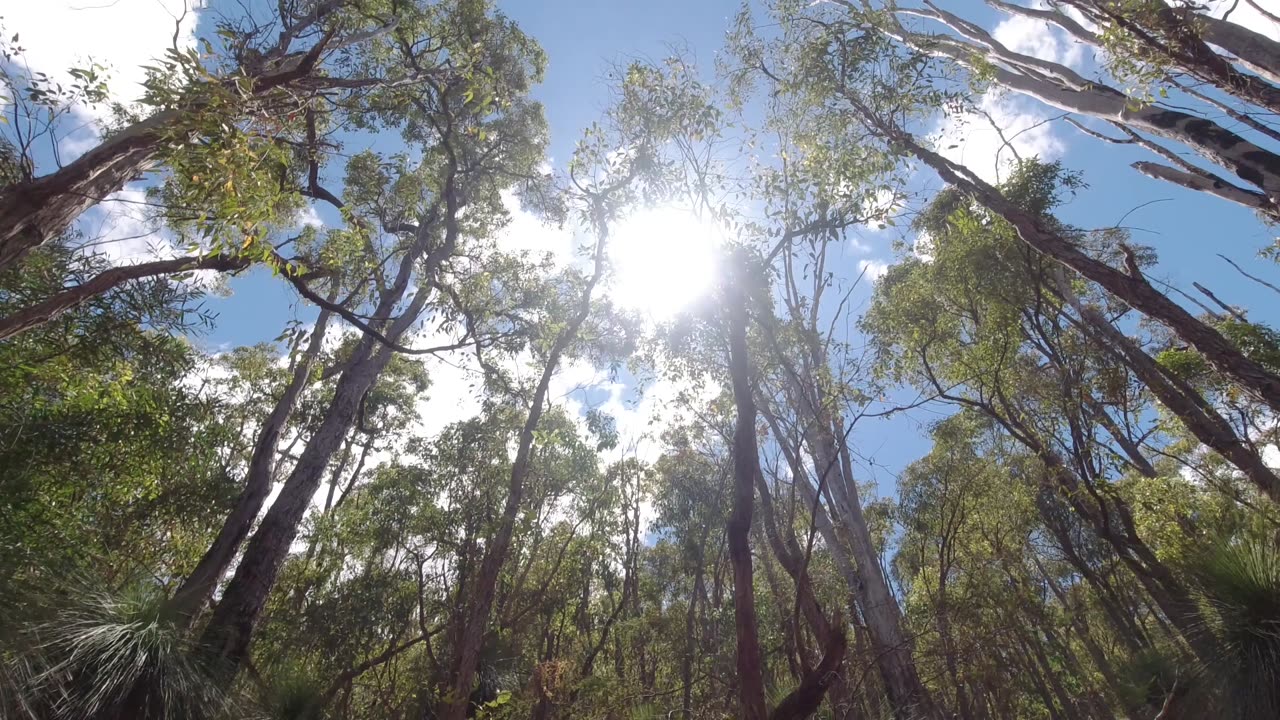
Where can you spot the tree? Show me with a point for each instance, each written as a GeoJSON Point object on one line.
{"type": "Point", "coordinates": [202, 109]}
{"type": "Point", "coordinates": [535, 556]}
{"type": "Point", "coordinates": [1148, 42]}
{"type": "Point", "coordinates": [471, 142]}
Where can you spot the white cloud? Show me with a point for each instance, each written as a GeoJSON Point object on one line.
{"type": "Point", "coordinates": [308, 216]}
{"type": "Point", "coordinates": [528, 233]}
{"type": "Point", "coordinates": [873, 269]}
{"type": "Point", "coordinates": [124, 35]}
{"type": "Point", "coordinates": [1003, 128]}
{"type": "Point", "coordinates": [638, 415]}
{"type": "Point", "coordinates": [1039, 39]}
{"type": "Point", "coordinates": [922, 248]}
{"type": "Point", "coordinates": [118, 228]}
{"type": "Point", "coordinates": [454, 394]}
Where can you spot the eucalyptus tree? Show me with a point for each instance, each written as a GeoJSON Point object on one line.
{"type": "Point", "coordinates": [1180, 84]}
{"type": "Point", "coordinates": [475, 131]}
{"type": "Point", "coordinates": [218, 115]}
{"type": "Point", "coordinates": [844, 69]}
{"type": "Point", "coordinates": [234, 135]}
{"type": "Point", "coordinates": [692, 483]}
{"type": "Point", "coordinates": [812, 400]}
{"type": "Point", "coordinates": [976, 565]}
{"type": "Point", "coordinates": [408, 541]}
{"type": "Point", "coordinates": [829, 181]}
{"type": "Point", "coordinates": [794, 368]}
{"type": "Point", "coordinates": [989, 340]}
{"type": "Point", "coordinates": [616, 165]}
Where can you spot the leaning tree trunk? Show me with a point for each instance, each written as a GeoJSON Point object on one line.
{"type": "Point", "coordinates": [231, 626]}
{"type": "Point", "coordinates": [880, 611]}
{"type": "Point", "coordinates": [36, 211]}
{"type": "Point", "coordinates": [195, 591]}
{"type": "Point", "coordinates": [1111, 520]}
{"type": "Point", "coordinates": [1196, 414]}
{"type": "Point", "coordinates": [1253, 50]}
{"type": "Point", "coordinates": [833, 469]}
{"type": "Point", "coordinates": [234, 618]}
{"type": "Point", "coordinates": [833, 476]}
{"type": "Point", "coordinates": [1131, 286]}
{"type": "Point", "coordinates": [1061, 87]}
{"type": "Point", "coordinates": [1177, 36]}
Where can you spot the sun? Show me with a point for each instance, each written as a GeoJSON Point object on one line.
{"type": "Point", "coordinates": [663, 260]}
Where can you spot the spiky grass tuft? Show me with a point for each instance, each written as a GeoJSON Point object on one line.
{"type": "Point", "coordinates": [1240, 582]}
{"type": "Point", "coordinates": [109, 654]}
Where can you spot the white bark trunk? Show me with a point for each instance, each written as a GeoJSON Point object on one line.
{"type": "Point", "coordinates": [1254, 51]}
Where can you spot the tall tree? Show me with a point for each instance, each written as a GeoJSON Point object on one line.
{"type": "Point", "coordinates": [475, 134]}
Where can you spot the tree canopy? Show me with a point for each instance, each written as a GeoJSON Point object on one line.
{"type": "Point", "coordinates": [470, 480]}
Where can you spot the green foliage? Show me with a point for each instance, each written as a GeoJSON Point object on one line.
{"type": "Point", "coordinates": [1037, 553]}
{"type": "Point", "coordinates": [104, 441]}
{"type": "Point", "coordinates": [294, 693]}
{"type": "Point", "coordinates": [100, 648]}
{"type": "Point", "coordinates": [1241, 582]}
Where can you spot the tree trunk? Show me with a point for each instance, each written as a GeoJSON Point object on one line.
{"type": "Point", "coordinates": [195, 591]}
{"type": "Point", "coordinates": [793, 561]}
{"type": "Point", "coordinates": [834, 475]}
{"type": "Point", "coordinates": [1253, 50]}
{"type": "Point", "coordinates": [471, 636]}
{"type": "Point", "coordinates": [690, 643]}
{"type": "Point", "coordinates": [892, 649]}
{"type": "Point", "coordinates": [750, 664]}
{"type": "Point", "coordinates": [36, 211]}
{"type": "Point", "coordinates": [231, 627]}
{"type": "Point", "coordinates": [1121, 621]}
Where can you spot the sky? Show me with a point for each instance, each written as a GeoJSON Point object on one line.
{"type": "Point", "coordinates": [584, 39]}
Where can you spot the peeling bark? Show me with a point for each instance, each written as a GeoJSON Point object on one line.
{"type": "Point", "coordinates": [1211, 185]}
{"type": "Point", "coordinates": [35, 211]}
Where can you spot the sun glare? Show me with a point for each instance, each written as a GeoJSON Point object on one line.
{"type": "Point", "coordinates": [663, 259]}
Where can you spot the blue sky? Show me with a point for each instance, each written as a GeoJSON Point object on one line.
{"type": "Point", "coordinates": [584, 39]}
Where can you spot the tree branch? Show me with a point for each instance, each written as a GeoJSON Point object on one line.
{"type": "Point", "coordinates": [70, 298]}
